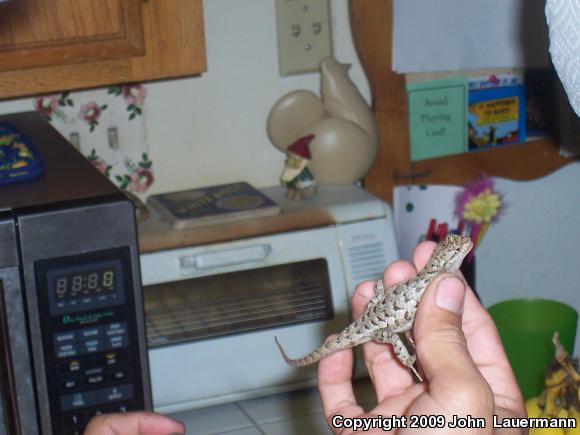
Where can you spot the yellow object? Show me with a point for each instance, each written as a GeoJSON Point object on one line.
{"type": "Point", "coordinates": [547, 431]}
{"type": "Point", "coordinates": [558, 400]}
{"type": "Point", "coordinates": [532, 408]}
{"type": "Point", "coordinates": [493, 111]}
{"type": "Point", "coordinates": [19, 164]}
{"type": "Point", "coordinates": [555, 378]}
{"type": "Point", "coordinates": [483, 207]}
{"type": "Point", "coordinates": [576, 430]}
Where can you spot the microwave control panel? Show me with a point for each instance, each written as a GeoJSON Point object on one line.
{"type": "Point", "coordinates": [89, 335]}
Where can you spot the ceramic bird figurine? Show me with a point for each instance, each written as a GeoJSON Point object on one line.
{"type": "Point", "coordinates": [345, 133]}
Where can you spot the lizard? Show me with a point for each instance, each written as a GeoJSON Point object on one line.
{"type": "Point", "coordinates": [391, 312]}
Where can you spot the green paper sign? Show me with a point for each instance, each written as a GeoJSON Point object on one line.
{"type": "Point", "coordinates": [438, 117]}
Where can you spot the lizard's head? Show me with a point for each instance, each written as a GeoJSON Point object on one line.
{"type": "Point", "coordinates": [450, 253]}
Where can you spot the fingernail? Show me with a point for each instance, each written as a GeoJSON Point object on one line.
{"type": "Point", "coordinates": [450, 294]}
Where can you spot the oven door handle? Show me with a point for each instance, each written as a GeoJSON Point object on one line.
{"type": "Point", "coordinates": [7, 381]}
{"type": "Point", "coordinates": [226, 257]}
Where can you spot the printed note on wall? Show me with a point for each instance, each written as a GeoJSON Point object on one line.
{"type": "Point", "coordinates": [452, 35]}
{"type": "Point", "coordinates": [438, 117]}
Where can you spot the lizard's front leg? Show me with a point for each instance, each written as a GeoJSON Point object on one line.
{"type": "Point", "coordinates": [401, 351]}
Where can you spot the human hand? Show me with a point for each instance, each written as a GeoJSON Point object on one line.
{"type": "Point", "coordinates": [459, 351]}
{"type": "Point", "coordinates": [134, 423]}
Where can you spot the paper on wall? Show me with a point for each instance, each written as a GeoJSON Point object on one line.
{"type": "Point", "coordinates": [437, 117]}
{"type": "Point", "coordinates": [449, 35]}
{"type": "Point", "coordinates": [415, 206]}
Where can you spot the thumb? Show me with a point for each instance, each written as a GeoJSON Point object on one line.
{"type": "Point", "coordinates": [441, 346]}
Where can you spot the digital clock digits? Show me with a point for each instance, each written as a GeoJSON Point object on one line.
{"type": "Point", "coordinates": [85, 283]}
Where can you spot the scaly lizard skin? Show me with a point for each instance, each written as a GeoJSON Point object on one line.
{"type": "Point", "coordinates": [391, 312]}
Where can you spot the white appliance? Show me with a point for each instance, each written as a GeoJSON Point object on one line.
{"type": "Point", "coordinates": [212, 311]}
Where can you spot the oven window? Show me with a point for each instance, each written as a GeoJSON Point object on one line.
{"type": "Point", "coordinates": [237, 302]}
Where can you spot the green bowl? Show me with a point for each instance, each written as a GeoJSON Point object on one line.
{"type": "Point", "coordinates": [526, 327]}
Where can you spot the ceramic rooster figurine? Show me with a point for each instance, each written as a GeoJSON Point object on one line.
{"type": "Point", "coordinates": [345, 133]}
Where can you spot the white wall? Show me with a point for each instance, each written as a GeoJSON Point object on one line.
{"type": "Point", "coordinates": [212, 129]}
{"type": "Point", "coordinates": [533, 251]}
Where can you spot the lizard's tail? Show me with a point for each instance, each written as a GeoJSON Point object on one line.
{"type": "Point", "coordinates": [331, 346]}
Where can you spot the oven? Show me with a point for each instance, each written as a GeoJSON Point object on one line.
{"type": "Point", "coordinates": [212, 310]}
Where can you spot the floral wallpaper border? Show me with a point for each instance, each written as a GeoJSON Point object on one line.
{"type": "Point", "coordinates": [91, 116]}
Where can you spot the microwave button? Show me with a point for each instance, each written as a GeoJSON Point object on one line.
{"type": "Point", "coordinates": [112, 359]}
{"type": "Point", "coordinates": [119, 375]}
{"type": "Point", "coordinates": [118, 341]}
{"type": "Point", "coordinates": [118, 328]}
{"type": "Point", "coordinates": [78, 400]}
{"type": "Point", "coordinates": [95, 379]}
{"type": "Point", "coordinates": [93, 333]}
{"type": "Point", "coordinates": [99, 411]}
{"type": "Point", "coordinates": [73, 420]}
{"type": "Point", "coordinates": [70, 367]}
{"type": "Point", "coordinates": [92, 346]}
{"type": "Point", "coordinates": [66, 350]}
{"type": "Point", "coordinates": [94, 371]}
{"type": "Point", "coordinates": [116, 393]}
{"type": "Point", "coordinates": [69, 384]}
{"type": "Point", "coordinates": [126, 407]}
{"type": "Point", "coordinates": [64, 337]}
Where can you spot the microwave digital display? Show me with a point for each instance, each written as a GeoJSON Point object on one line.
{"type": "Point", "coordinates": [86, 285]}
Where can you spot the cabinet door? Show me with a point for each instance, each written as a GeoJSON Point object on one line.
{"type": "Point", "coordinates": [36, 33]}
{"type": "Point", "coordinates": [58, 45]}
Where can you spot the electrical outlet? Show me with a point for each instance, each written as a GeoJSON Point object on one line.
{"type": "Point", "coordinates": [304, 36]}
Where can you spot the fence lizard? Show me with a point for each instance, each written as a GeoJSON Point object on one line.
{"type": "Point", "coordinates": [391, 311]}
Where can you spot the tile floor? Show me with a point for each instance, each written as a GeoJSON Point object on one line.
{"type": "Point", "coordinates": [297, 412]}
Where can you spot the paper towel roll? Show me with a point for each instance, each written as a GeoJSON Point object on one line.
{"type": "Point", "coordinates": [563, 18]}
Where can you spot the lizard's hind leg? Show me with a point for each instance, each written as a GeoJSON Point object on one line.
{"type": "Point", "coordinates": [401, 351]}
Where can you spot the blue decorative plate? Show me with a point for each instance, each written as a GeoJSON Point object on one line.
{"type": "Point", "coordinates": [19, 158]}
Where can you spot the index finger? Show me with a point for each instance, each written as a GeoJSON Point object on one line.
{"type": "Point", "coordinates": [131, 423]}
{"type": "Point", "coordinates": [335, 385]}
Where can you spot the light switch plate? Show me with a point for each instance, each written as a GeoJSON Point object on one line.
{"type": "Point", "coordinates": [304, 35]}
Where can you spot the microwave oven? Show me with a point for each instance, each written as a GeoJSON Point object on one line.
{"type": "Point", "coordinates": [72, 336]}
{"type": "Point", "coordinates": [212, 309]}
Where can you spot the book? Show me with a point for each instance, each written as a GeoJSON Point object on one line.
{"type": "Point", "coordinates": [213, 205]}
{"type": "Point", "coordinates": [497, 116]}
{"type": "Point", "coordinates": [437, 117]}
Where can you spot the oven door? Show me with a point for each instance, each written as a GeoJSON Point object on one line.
{"type": "Point", "coordinates": [18, 408]}
{"type": "Point", "coordinates": [212, 313]}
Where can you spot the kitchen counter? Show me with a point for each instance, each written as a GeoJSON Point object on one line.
{"type": "Point", "coordinates": [297, 412]}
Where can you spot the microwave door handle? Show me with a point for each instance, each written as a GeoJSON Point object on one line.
{"type": "Point", "coordinates": [11, 420]}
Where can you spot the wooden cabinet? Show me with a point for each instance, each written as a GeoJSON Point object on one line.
{"type": "Point", "coordinates": [69, 44]}
{"type": "Point", "coordinates": [371, 22]}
